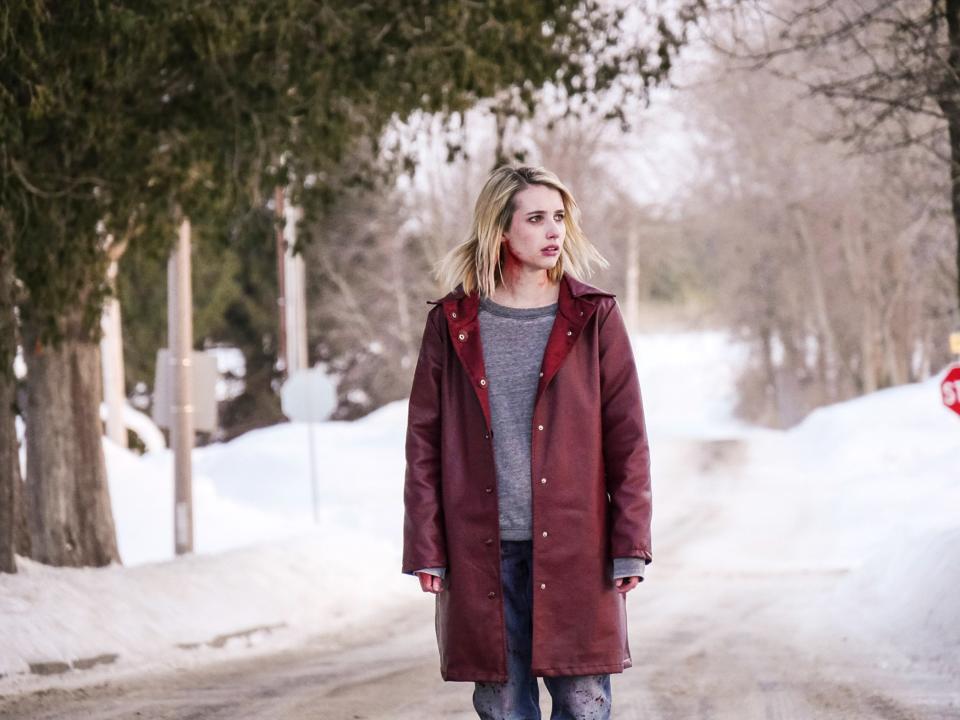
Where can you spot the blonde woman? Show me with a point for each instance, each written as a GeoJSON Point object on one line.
{"type": "Point", "coordinates": [527, 491]}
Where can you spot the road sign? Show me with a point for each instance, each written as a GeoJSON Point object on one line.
{"type": "Point", "coordinates": [310, 396]}
{"type": "Point", "coordinates": [204, 385]}
{"type": "Point", "coordinates": [950, 387]}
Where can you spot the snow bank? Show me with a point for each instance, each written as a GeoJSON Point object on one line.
{"type": "Point", "coordinates": [263, 571]}
{"type": "Point", "coordinates": [171, 612]}
{"type": "Point", "coordinates": [866, 489]}
{"type": "Point", "coordinates": [907, 592]}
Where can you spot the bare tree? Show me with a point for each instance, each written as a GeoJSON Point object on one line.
{"type": "Point", "coordinates": [821, 258]}
{"type": "Point", "coordinates": [889, 68]}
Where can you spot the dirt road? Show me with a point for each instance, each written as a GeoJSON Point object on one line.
{"type": "Point", "coordinates": [711, 645]}
{"type": "Point", "coordinates": [704, 646]}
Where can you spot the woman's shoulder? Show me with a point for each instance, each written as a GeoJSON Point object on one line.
{"type": "Point", "coordinates": [606, 304]}
{"type": "Point", "coordinates": [435, 317]}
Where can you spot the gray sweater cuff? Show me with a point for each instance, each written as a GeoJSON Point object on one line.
{"type": "Point", "coordinates": [628, 567]}
{"type": "Point", "coordinates": [433, 571]}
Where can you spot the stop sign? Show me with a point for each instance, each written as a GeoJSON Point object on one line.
{"type": "Point", "coordinates": [950, 387]}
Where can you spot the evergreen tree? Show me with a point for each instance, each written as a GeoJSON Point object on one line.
{"type": "Point", "coordinates": [120, 118]}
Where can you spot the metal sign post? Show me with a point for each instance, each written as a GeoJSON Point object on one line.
{"type": "Point", "coordinates": [309, 396]}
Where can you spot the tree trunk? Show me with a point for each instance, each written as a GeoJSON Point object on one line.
{"type": "Point", "coordinates": [71, 522]}
{"type": "Point", "coordinates": [827, 339]}
{"type": "Point", "coordinates": [856, 265]}
{"type": "Point", "coordinates": [947, 99]}
{"type": "Point", "coordinates": [12, 520]}
{"type": "Point", "coordinates": [895, 348]}
{"type": "Point", "coordinates": [770, 375]}
{"type": "Point", "coordinates": [791, 404]}
{"type": "Point", "coordinates": [13, 540]}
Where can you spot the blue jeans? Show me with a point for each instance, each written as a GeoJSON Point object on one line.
{"type": "Point", "coordinates": [575, 697]}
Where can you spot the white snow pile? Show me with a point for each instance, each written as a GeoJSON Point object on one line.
{"type": "Point", "coordinates": [263, 573]}
{"type": "Point", "coordinates": [869, 488]}
{"type": "Point", "coordinates": [896, 514]}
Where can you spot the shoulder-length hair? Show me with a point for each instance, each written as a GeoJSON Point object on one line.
{"type": "Point", "coordinates": [476, 261]}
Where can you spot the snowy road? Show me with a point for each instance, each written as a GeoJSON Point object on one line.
{"type": "Point", "coordinates": [797, 575]}
{"type": "Point", "coordinates": [713, 647]}
{"type": "Point", "coordinates": [706, 644]}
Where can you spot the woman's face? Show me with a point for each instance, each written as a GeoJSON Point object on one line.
{"type": "Point", "coordinates": [537, 230]}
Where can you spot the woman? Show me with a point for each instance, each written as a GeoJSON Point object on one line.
{"type": "Point", "coordinates": [527, 489]}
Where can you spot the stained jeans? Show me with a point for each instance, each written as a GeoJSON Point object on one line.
{"type": "Point", "coordinates": [575, 697]}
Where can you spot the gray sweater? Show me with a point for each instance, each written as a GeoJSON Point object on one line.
{"type": "Point", "coordinates": [513, 342]}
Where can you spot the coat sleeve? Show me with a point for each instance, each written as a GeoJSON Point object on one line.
{"type": "Point", "coordinates": [626, 452]}
{"type": "Point", "coordinates": [424, 540]}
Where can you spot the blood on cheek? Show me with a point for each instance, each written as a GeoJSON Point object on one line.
{"type": "Point", "coordinates": [510, 252]}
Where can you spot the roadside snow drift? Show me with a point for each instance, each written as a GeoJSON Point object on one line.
{"type": "Point", "coordinates": [868, 488]}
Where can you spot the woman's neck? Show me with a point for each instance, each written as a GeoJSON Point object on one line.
{"type": "Point", "coordinates": [527, 291]}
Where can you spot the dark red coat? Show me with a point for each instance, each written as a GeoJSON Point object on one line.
{"type": "Point", "coordinates": [590, 466]}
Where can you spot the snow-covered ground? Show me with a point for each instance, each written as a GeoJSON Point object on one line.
{"type": "Point", "coordinates": [869, 489]}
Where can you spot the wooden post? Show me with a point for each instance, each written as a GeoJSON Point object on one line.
{"type": "Point", "coordinates": [180, 341]}
{"type": "Point", "coordinates": [281, 286]}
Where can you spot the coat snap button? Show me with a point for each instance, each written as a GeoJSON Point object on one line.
{"type": "Point", "coordinates": [581, 312]}
{"type": "Point", "coordinates": [539, 427]}
{"type": "Point", "coordinates": [543, 586]}
{"type": "Point", "coordinates": [454, 315]}
{"type": "Point", "coordinates": [489, 489]}
{"type": "Point", "coordinates": [488, 541]}
{"type": "Point", "coordinates": [462, 336]}
{"type": "Point", "coordinates": [483, 381]}
{"type": "Point", "coordinates": [544, 533]}
{"type": "Point", "coordinates": [491, 594]}
{"type": "Point", "coordinates": [543, 481]}
{"type": "Point", "coordinates": [486, 434]}
{"type": "Point", "coordinates": [541, 374]}
{"type": "Point", "coordinates": [569, 332]}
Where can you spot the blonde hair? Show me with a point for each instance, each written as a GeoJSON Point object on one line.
{"type": "Point", "coordinates": [475, 261]}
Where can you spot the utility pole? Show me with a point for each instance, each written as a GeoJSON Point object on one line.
{"type": "Point", "coordinates": [180, 341]}
{"type": "Point", "coordinates": [281, 285]}
{"type": "Point", "coordinates": [295, 281]}
{"type": "Point", "coordinates": [291, 291]}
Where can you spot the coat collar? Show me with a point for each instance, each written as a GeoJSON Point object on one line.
{"type": "Point", "coordinates": [572, 291]}
{"type": "Point", "coordinates": [576, 304]}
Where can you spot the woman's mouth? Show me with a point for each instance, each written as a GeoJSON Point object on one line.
{"type": "Point", "coordinates": [550, 250]}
